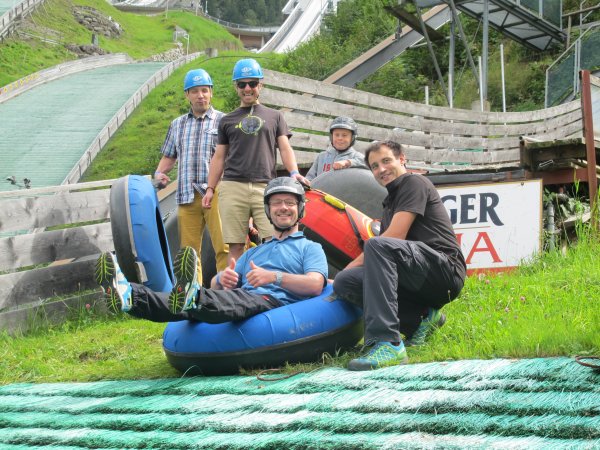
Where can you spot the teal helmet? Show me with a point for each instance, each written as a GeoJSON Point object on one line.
{"type": "Point", "coordinates": [247, 68]}
{"type": "Point", "coordinates": [197, 77]}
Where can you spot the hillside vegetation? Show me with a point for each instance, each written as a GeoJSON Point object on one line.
{"type": "Point", "coordinates": [42, 39]}
{"type": "Point", "coordinates": [360, 24]}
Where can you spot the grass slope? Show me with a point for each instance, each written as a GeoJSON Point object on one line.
{"type": "Point", "coordinates": [143, 36]}
{"type": "Point", "coordinates": [548, 308]}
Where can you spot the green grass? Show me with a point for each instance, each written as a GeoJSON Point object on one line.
{"type": "Point", "coordinates": [143, 37]}
{"type": "Point", "coordinates": [547, 308]}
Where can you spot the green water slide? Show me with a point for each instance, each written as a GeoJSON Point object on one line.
{"type": "Point", "coordinates": [45, 131]}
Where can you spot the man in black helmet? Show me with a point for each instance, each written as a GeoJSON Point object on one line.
{"type": "Point", "coordinates": [286, 269]}
{"type": "Point", "coordinates": [341, 153]}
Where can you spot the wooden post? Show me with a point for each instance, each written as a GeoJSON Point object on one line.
{"type": "Point", "coordinates": [588, 136]}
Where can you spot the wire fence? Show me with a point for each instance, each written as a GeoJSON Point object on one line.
{"type": "Point", "coordinates": [562, 77]}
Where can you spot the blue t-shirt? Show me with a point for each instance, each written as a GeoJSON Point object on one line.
{"type": "Point", "coordinates": [295, 254]}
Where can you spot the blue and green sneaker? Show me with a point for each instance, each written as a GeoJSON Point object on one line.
{"type": "Point", "coordinates": [434, 320]}
{"type": "Point", "coordinates": [382, 354]}
{"type": "Point", "coordinates": [185, 268]}
{"type": "Point", "coordinates": [109, 276]}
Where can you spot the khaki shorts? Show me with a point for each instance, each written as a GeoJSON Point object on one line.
{"type": "Point", "coordinates": [238, 202]}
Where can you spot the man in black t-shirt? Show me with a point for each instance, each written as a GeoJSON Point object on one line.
{"type": "Point", "coordinates": [245, 159]}
{"type": "Point", "coordinates": [407, 273]}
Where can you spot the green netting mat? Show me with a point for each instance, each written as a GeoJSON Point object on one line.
{"type": "Point", "coordinates": [531, 404]}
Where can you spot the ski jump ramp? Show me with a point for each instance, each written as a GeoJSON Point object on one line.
{"type": "Point", "coordinates": [303, 21]}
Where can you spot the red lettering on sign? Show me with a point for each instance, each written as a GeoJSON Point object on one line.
{"type": "Point", "coordinates": [487, 247]}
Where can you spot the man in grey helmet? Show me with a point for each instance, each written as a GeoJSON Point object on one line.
{"type": "Point", "coordinates": [340, 154]}
{"type": "Point", "coordinates": [286, 269]}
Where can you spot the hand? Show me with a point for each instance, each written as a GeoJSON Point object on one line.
{"type": "Point", "coordinates": [161, 180]}
{"type": "Point", "coordinates": [207, 199]}
{"type": "Point", "coordinates": [229, 277]}
{"type": "Point", "coordinates": [341, 164]}
{"type": "Point", "coordinates": [301, 179]}
{"type": "Point", "coordinates": [259, 276]}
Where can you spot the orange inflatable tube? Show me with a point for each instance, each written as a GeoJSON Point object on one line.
{"type": "Point", "coordinates": [340, 228]}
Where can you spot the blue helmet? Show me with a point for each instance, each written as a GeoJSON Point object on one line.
{"type": "Point", "coordinates": [197, 77]}
{"type": "Point", "coordinates": [247, 68]}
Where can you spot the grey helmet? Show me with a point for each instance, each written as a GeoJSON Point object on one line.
{"type": "Point", "coordinates": [284, 185]}
{"type": "Point", "coordinates": [347, 123]}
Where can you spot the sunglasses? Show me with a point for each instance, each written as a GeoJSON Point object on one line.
{"type": "Point", "coordinates": [243, 84]}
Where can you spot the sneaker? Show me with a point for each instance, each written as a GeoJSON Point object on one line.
{"type": "Point", "coordinates": [186, 287]}
{"type": "Point", "coordinates": [382, 354]}
{"type": "Point", "coordinates": [113, 282]}
{"type": "Point", "coordinates": [434, 320]}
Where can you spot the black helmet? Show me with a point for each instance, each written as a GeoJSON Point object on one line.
{"type": "Point", "coordinates": [346, 123]}
{"type": "Point", "coordinates": [284, 185]}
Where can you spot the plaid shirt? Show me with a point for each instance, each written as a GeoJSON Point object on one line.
{"type": "Point", "coordinates": [192, 141]}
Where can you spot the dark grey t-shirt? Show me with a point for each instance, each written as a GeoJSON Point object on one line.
{"type": "Point", "coordinates": [432, 226]}
{"type": "Point", "coordinates": [251, 134]}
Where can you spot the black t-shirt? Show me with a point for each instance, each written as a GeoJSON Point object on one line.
{"type": "Point", "coordinates": [251, 134]}
{"type": "Point", "coordinates": [432, 226]}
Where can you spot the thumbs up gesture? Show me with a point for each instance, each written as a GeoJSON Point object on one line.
{"type": "Point", "coordinates": [229, 277]}
{"type": "Point", "coordinates": [259, 276]}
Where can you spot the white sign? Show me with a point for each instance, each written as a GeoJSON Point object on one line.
{"type": "Point", "coordinates": [498, 225]}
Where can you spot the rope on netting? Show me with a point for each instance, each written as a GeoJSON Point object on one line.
{"type": "Point", "coordinates": [261, 375]}
{"type": "Point", "coordinates": [589, 361]}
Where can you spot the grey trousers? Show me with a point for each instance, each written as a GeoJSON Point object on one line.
{"type": "Point", "coordinates": [215, 306]}
{"type": "Point", "coordinates": [397, 283]}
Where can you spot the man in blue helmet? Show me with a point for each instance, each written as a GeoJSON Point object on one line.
{"type": "Point", "coordinates": [246, 158]}
{"type": "Point", "coordinates": [287, 269]}
{"type": "Point", "coordinates": [191, 140]}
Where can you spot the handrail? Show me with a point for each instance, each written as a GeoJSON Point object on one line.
{"type": "Point", "coordinates": [7, 20]}
{"type": "Point", "coordinates": [575, 49]}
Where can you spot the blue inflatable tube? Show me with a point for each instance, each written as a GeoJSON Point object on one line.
{"type": "Point", "coordinates": [138, 233]}
{"type": "Point", "coordinates": [299, 332]}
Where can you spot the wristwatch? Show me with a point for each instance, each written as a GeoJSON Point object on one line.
{"type": "Point", "coordinates": [278, 278]}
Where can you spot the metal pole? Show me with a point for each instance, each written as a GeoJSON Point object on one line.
{"type": "Point", "coordinates": [464, 39]}
{"type": "Point", "coordinates": [588, 135]}
{"type": "Point", "coordinates": [503, 80]}
{"type": "Point", "coordinates": [480, 89]}
{"type": "Point", "coordinates": [432, 53]}
{"type": "Point", "coordinates": [451, 64]}
{"type": "Point", "coordinates": [484, 45]}
{"type": "Point", "coordinates": [427, 94]}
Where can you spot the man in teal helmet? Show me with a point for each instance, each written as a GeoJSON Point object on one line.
{"type": "Point", "coordinates": [246, 158]}
{"type": "Point", "coordinates": [192, 139]}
